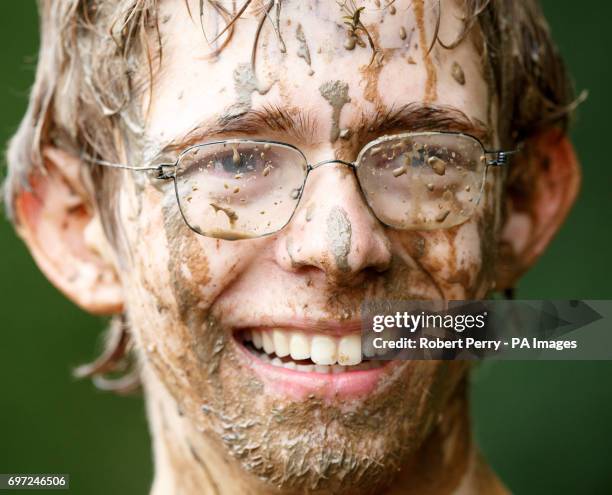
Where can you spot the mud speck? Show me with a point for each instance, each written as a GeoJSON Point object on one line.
{"type": "Point", "coordinates": [437, 165]}
{"type": "Point", "coordinates": [400, 171]}
{"type": "Point", "coordinates": [336, 94]}
{"type": "Point", "coordinates": [350, 42]}
{"type": "Point", "coordinates": [339, 237]}
{"type": "Point", "coordinates": [457, 73]}
{"type": "Point", "coordinates": [440, 217]}
{"type": "Point", "coordinates": [345, 134]}
{"type": "Point", "coordinates": [245, 83]}
{"type": "Point", "coordinates": [303, 51]}
{"type": "Point", "coordinates": [231, 214]}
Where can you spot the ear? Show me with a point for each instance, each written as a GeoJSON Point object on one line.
{"type": "Point", "coordinates": [541, 189]}
{"type": "Point", "coordinates": [62, 229]}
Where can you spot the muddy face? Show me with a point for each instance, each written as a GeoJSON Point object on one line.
{"type": "Point", "coordinates": [189, 297]}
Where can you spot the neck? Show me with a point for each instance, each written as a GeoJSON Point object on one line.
{"type": "Point", "coordinates": [187, 462]}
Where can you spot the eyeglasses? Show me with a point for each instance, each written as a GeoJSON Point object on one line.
{"type": "Point", "coordinates": [247, 188]}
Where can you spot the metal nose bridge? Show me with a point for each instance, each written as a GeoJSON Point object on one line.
{"type": "Point", "coordinates": [325, 162]}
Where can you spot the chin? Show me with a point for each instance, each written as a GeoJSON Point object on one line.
{"type": "Point", "coordinates": [342, 430]}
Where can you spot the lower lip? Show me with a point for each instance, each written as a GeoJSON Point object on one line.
{"type": "Point", "coordinates": [299, 385]}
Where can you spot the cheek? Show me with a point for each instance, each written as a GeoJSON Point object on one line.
{"type": "Point", "coordinates": [150, 301]}
{"type": "Point", "coordinates": [147, 244]}
{"type": "Point", "coordinates": [459, 261]}
{"type": "Point", "coordinates": [454, 257]}
{"type": "Point", "coordinates": [174, 275]}
{"type": "Point", "coordinates": [167, 273]}
{"type": "Point", "coordinates": [168, 260]}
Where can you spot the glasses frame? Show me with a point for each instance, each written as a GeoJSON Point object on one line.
{"type": "Point", "coordinates": [494, 158]}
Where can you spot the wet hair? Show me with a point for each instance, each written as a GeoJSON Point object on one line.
{"type": "Point", "coordinates": [97, 58]}
{"type": "Point", "coordinates": [90, 75]}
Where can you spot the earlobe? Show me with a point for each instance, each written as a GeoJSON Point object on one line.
{"type": "Point", "coordinates": [541, 189]}
{"type": "Point", "coordinates": [63, 232]}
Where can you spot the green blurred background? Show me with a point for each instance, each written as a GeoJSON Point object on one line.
{"type": "Point", "coordinates": [546, 427]}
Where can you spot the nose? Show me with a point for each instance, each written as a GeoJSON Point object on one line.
{"type": "Point", "coordinates": [333, 230]}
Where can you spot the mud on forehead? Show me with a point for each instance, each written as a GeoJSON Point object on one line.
{"type": "Point", "coordinates": [304, 45]}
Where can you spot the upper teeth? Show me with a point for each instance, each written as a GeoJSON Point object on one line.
{"type": "Point", "coordinates": [321, 349]}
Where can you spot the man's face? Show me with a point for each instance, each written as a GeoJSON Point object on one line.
{"type": "Point", "coordinates": [191, 299]}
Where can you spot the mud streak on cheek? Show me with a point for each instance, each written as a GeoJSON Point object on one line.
{"type": "Point", "coordinates": [453, 263]}
{"type": "Point", "coordinates": [188, 271]}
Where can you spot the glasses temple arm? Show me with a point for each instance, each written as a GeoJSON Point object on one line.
{"type": "Point", "coordinates": [161, 174]}
{"type": "Point", "coordinates": [500, 158]}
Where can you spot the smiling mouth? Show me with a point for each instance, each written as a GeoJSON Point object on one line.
{"type": "Point", "coordinates": [307, 353]}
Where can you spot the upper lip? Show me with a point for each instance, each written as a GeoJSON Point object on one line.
{"type": "Point", "coordinates": [321, 326]}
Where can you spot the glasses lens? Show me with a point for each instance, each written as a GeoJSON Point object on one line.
{"type": "Point", "coordinates": [423, 181]}
{"type": "Point", "coordinates": [239, 189]}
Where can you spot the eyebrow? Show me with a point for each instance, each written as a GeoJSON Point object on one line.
{"type": "Point", "coordinates": [269, 119]}
{"type": "Point", "coordinates": [301, 125]}
{"type": "Point", "coordinates": [420, 117]}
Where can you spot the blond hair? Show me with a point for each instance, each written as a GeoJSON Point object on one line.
{"type": "Point", "coordinates": [97, 55]}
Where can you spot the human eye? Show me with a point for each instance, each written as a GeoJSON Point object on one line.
{"type": "Point", "coordinates": [241, 171]}
{"type": "Point", "coordinates": [229, 160]}
{"type": "Point", "coordinates": [239, 189]}
{"type": "Point", "coordinates": [426, 180]}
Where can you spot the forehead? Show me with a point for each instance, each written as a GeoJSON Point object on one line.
{"type": "Point", "coordinates": [303, 56]}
